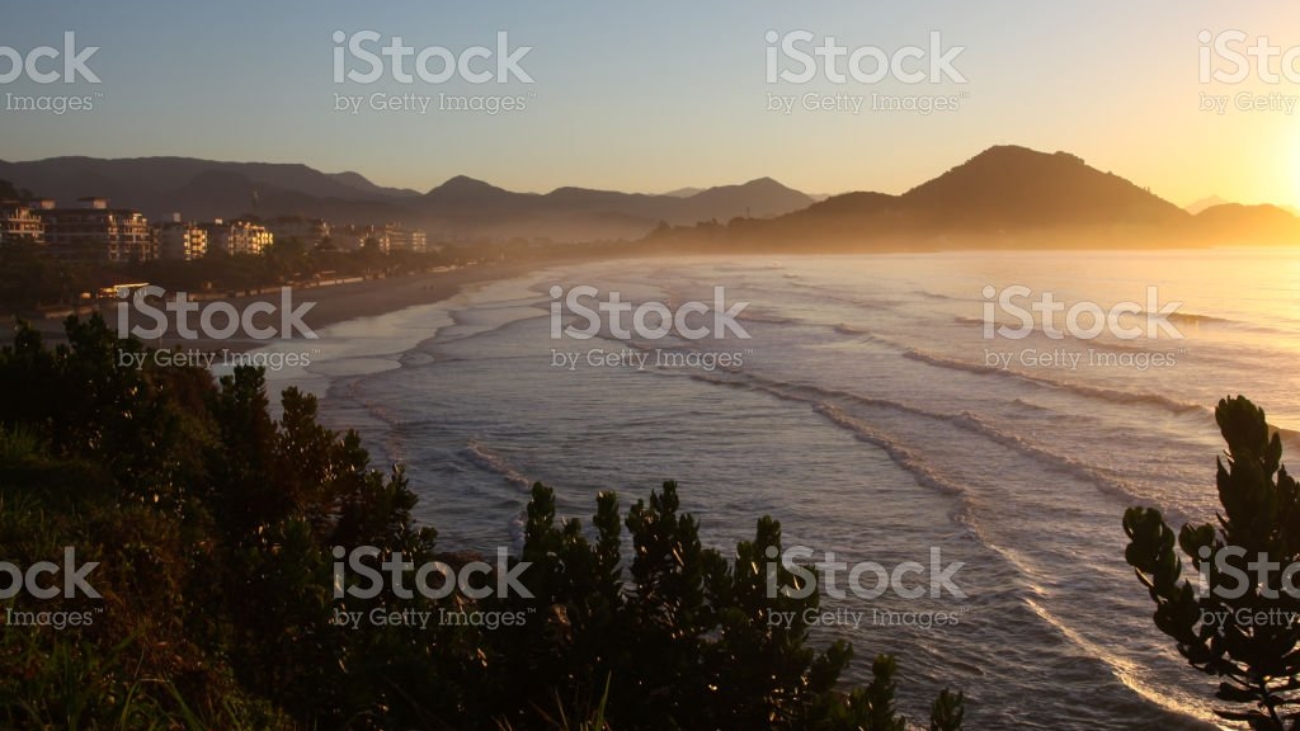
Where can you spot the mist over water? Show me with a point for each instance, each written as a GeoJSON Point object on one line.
{"type": "Point", "coordinates": [867, 412]}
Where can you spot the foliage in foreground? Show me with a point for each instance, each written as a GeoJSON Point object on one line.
{"type": "Point", "coordinates": [1242, 625]}
{"type": "Point", "coordinates": [215, 528]}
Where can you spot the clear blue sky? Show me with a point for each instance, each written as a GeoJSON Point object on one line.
{"type": "Point", "coordinates": [654, 96]}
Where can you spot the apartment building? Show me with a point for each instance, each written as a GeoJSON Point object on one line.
{"type": "Point", "coordinates": [401, 239]}
{"type": "Point", "coordinates": [20, 222]}
{"type": "Point", "coordinates": [92, 231]}
{"type": "Point", "coordinates": [181, 241]}
{"type": "Point", "coordinates": [310, 231]}
{"type": "Point", "coordinates": [355, 238]}
{"type": "Point", "coordinates": [238, 237]}
{"type": "Point", "coordinates": [387, 238]}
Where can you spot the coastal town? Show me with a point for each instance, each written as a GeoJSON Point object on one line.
{"type": "Point", "coordinates": [92, 230]}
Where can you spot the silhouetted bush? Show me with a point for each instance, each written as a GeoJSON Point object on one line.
{"type": "Point", "coordinates": [217, 530]}
{"type": "Point", "coordinates": [1241, 626]}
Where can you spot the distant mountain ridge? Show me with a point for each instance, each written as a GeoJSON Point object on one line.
{"type": "Point", "coordinates": [1006, 196]}
{"type": "Point", "coordinates": [1204, 203]}
{"type": "Point", "coordinates": [461, 207]}
{"type": "Point", "coordinates": [1215, 201]}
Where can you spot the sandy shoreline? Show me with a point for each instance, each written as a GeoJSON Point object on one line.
{"type": "Point", "coordinates": [330, 304]}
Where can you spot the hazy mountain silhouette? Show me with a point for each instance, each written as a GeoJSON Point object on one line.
{"type": "Point", "coordinates": [362, 183]}
{"type": "Point", "coordinates": [462, 207]}
{"type": "Point", "coordinates": [1005, 197]}
{"type": "Point", "coordinates": [1012, 187]}
{"type": "Point", "coordinates": [1005, 188]}
{"type": "Point", "coordinates": [69, 177]}
{"type": "Point", "coordinates": [220, 193]}
{"type": "Point", "coordinates": [1239, 224]}
{"type": "Point", "coordinates": [759, 198]}
{"type": "Point", "coordinates": [684, 192]}
{"type": "Point", "coordinates": [465, 194]}
{"type": "Point", "coordinates": [1204, 203]}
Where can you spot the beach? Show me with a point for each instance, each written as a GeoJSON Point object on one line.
{"type": "Point", "coordinates": [321, 306]}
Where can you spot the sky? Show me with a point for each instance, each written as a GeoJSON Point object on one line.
{"type": "Point", "coordinates": [652, 97]}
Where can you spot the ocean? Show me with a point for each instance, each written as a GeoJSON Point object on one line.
{"type": "Point", "coordinates": [869, 411]}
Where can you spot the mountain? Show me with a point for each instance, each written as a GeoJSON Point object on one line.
{"type": "Point", "coordinates": [1004, 197]}
{"type": "Point", "coordinates": [688, 192]}
{"type": "Point", "coordinates": [201, 189]}
{"type": "Point", "coordinates": [1204, 203]}
{"type": "Point", "coordinates": [362, 183]}
{"type": "Point", "coordinates": [465, 194]}
{"type": "Point", "coordinates": [684, 192]}
{"type": "Point", "coordinates": [1213, 201]}
{"type": "Point", "coordinates": [460, 208]}
{"type": "Point", "coordinates": [1236, 223]}
{"type": "Point", "coordinates": [1010, 187]}
{"type": "Point", "coordinates": [223, 193]}
{"type": "Point", "coordinates": [761, 198]}
{"type": "Point", "coordinates": [463, 207]}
